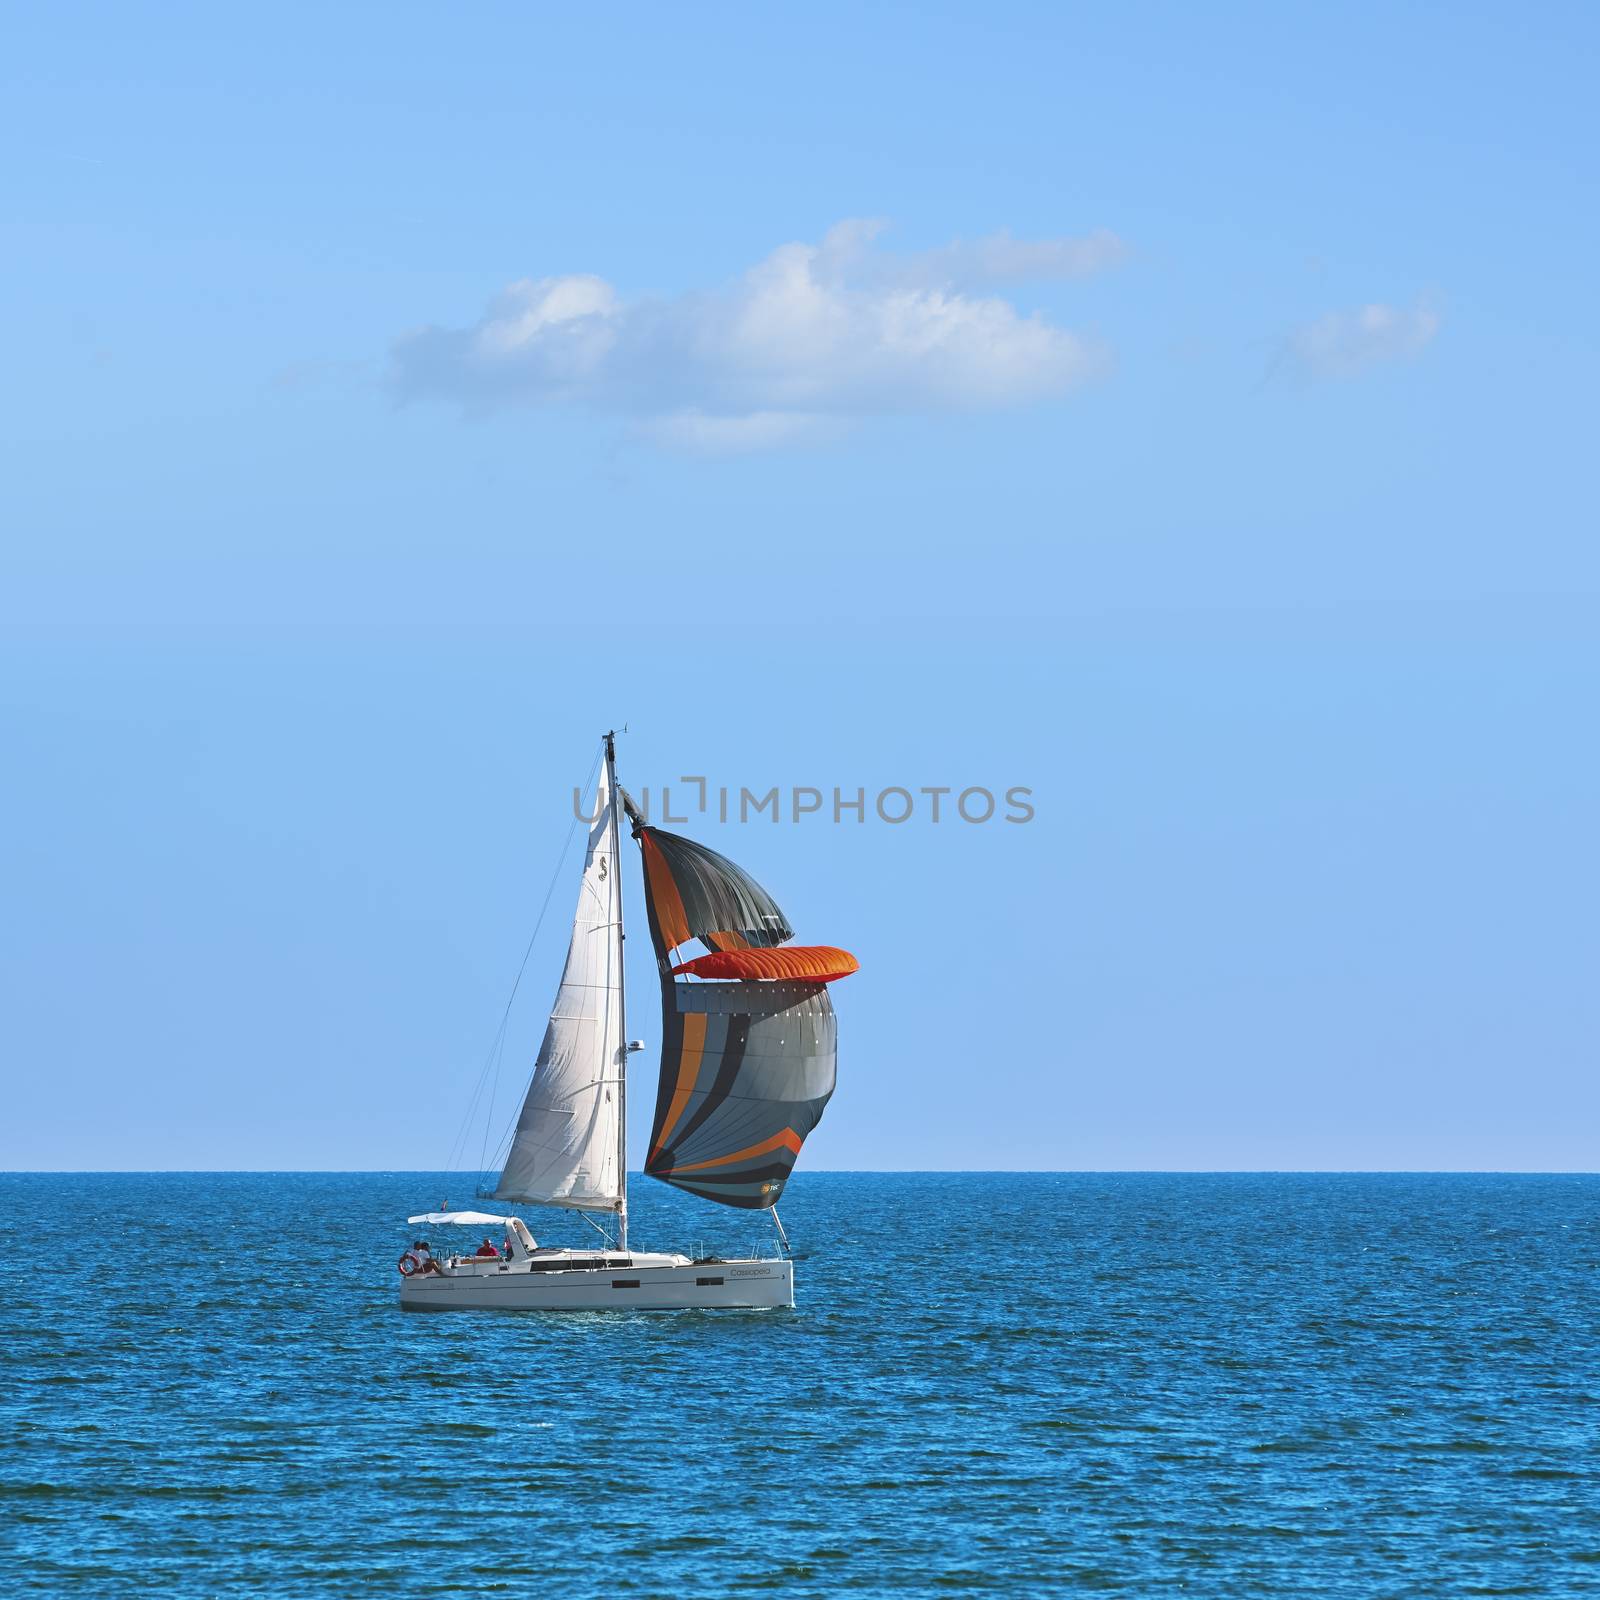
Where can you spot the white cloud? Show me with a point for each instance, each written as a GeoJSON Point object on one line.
{"type": "Point", "coordinates": [967, 264]}
{"type": "Point", "coordinates": [1345, 342]}
{"type": "Point", "coordinates": [811, 336]}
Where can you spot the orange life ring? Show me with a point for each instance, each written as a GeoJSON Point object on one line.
{"type": "Point", "coordinates": [407, 1255]}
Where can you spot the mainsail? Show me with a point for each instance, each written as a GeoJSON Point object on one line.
{"type": "Point", "coordinates": [565, 1149]}
{"type": "Point", "coordinates": [747, 1066]}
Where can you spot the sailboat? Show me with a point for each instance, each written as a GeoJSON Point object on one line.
{"type": "Point", "coordinates": [748, 1049]}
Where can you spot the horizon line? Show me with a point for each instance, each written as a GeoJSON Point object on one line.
{"type": "Point", "coordinates": [849, 1172]}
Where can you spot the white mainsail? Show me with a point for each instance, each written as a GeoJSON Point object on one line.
{"type": "Point", "coordinates": [565, 1149]}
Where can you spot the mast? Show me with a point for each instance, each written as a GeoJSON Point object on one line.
{"type": "Point", "coordinates": [622, 1004]}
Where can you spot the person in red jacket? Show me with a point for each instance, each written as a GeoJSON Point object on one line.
{"type": "Point", "coordinates": [487, 1249]}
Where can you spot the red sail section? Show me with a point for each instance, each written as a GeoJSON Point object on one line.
{"type": "Point", "coordinates": [810, 963]}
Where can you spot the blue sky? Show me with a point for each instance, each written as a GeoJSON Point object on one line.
{"type": "Point", "coordinates": [1184, 415]}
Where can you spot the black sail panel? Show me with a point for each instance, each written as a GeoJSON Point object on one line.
{"type": "Point", "coordinates": [746, 1070]}
{"type": "Point", "coordinates": [697, 894]}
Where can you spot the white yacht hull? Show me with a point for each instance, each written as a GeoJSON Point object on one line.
{"type": "Point", "coordinates": [674, 1285]}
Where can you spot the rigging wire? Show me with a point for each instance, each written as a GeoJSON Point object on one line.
{"type": "Point", "coordinates": [597, 1228]}
{"type": "Point", "coordinates": [491, 1064]}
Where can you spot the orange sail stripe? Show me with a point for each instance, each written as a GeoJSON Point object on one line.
{"type": "Point", "coordinates": [807, 963]}
{"type": "Point", "coordinates": [694, 1043]}
{"type": "Point", "coordinates": [664, 896]}
{"type": "Point", "coordinates": [787, 1140]}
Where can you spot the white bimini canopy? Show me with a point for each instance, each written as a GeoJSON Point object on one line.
{"type": "Point", "coordinates": [465, 1219]}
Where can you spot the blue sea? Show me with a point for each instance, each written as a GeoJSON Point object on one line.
{"type": "Point", "coordinates": [1214, 1385]}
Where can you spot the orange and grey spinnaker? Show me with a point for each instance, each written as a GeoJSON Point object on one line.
{"type": "Point", "coordinates": [747, 1060]}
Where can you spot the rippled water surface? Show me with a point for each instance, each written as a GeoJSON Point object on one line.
{"type": "Point", "coordinates": [1145, 1385]}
